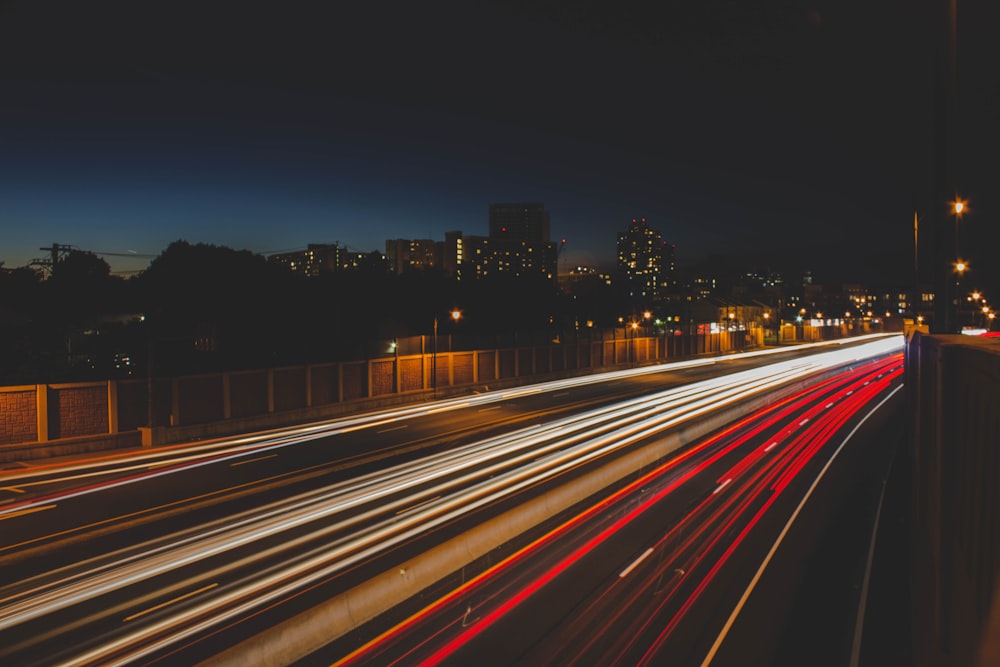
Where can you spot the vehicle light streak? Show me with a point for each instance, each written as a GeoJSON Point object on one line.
{"type": "Point", "coordinates": [689, 566]}
{"type": "Point", "coordinates": [192, 452]}
{"type": "Point", "coordinates": [556, 534]}
{"type": "Point", "coordinates": [728, 552]}
{"type": "Point", "coordinates": [791, 461]}
{"type": "Point", "coordinates": [777, 543]}
{"type": "Point", "coordinates": [361, 519]}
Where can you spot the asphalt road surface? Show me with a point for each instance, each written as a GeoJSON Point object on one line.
{"type": "Point", "coordinates": [177, 553]}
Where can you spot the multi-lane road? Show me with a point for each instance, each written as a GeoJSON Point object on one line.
{"type": "Point", "coordinates": [628, 523]}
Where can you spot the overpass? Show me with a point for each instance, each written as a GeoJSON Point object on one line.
{"type": "Point", "coordinates": [930, 598]}
{"type": "Point", "coordinates": [934, 594]}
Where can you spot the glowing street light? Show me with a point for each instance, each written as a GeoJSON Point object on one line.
{"type": "Point", "coordinates": [961, 266]}
{"type": "Point", "coordinates": [455, 316]}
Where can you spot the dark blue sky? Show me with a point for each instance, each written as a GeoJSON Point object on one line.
{"type": "Point", "coordinates": [775, 130]}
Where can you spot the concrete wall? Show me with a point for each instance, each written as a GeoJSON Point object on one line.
{"type": "Point", "coordinates": [267, 398]}
{"type": "Point", "coordinates": [50, 420]}
{"type": "Point", "coordinates": [19, 414]}
{"type": "Point", "coordinates": [953, 401]}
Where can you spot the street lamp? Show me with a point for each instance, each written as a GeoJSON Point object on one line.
{"type": "Point", "coordinates": [455, 314]}
{"type": "Point", "coordinates": [958, 207]}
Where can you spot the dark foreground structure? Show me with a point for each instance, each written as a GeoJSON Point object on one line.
{"type": "Point", "coordinates": [935, 599]}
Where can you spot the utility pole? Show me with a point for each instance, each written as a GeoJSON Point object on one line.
{"type": "Point", "coordinates": [945, 140]}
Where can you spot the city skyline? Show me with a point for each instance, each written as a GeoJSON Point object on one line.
{"type": "Point", "coordinates": [800, 135]}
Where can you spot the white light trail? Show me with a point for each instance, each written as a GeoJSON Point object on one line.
{"type": "Point", "coordinates": [397, 503]}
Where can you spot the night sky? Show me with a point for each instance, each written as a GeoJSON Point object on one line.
{"type": "Point", "coordinates": [793, 134]}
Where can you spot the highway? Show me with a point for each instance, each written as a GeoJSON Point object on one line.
{"type": "Point", "coordinates": [639, 577]}
{"type": "Point", "coordinates": [178, 553]}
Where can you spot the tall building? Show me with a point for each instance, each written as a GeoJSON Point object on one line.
{"type": "Point", "coordinates": [645, 260]}
{"type": "Point", "coordinates": [486, 257]}
{"type": "Point", "coordinates": [406, 255]}
{"type": "Point", "coordinates": [526, 222]}
{"type": "Point", "coordinates": [518, 244]}
{"type": "Point", "coordinates": [453, 254]}
{"type": "Point", "coordinates": [317, 258]}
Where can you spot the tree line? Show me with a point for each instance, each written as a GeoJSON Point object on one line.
{"type": "Point", "coordinates": [201, 308]}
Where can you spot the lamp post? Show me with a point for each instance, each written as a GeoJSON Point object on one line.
{"type": "Point", "coordinates": [455, 314]}
{"type": "Point", "coordinates": [958, 207]}
{"type": "Point", "coordinates": [634, 351]}
{"type": "Point", "coordinates": [951, 302]}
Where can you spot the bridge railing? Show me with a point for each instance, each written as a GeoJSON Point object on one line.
{"type": "Point", "coordinates": [50, 419]}
{"type": "Point", "coordinates": [953, 399]}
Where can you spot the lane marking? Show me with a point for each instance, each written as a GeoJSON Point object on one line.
{"type": "Point", "coordinates": [30, 510]}
{"type": "Point", "coordinates": [774, 548]}
{"type": "Point", "coordinates": [635, 563]}
{"type": "Point", "coordinates": [168, 602]}
{"type": "Point", "coordinates": [804, 421]}
{"type": "Point", "coordinates": [828, 405]}
{"type": "Point", "coordinates": [723, 485]}
{"type": "Point", "coordinates": [394, 428]}
{"type": "Point", "coordinates": [771, 446]}
{"type": "Point", "coordinates": [859, 623]}
{"type": "Point", "coordinates": [12, 489]}
{"type": "Point", "coordinates": [259, 458]}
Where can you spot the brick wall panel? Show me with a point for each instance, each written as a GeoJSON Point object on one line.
{"type": "Point", "coordinates": [383, 377]}
{"type": "Point", "coordinates": [410, 374]}
{"type": "Point", "coordinates": [355, 381]}
{"type": "Point", "coordinates": [289, 389]}
{"type": "Point", "coordinates": [18, 417]}
{"type": "Point", "coordinates": [77, 410]}
{"type": "Point", "coordinates": [324, 384]}
{"type": "Point", "coordinates": [464, 367]}
{"type": "Point", "coordinates": [487, 366]}
{"type": "Point", "coordinates": [507, 363]}
{"type": "Point", "coordinates": [200, 399]}
{"type": "Point", "coordinates": [247, 394]}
